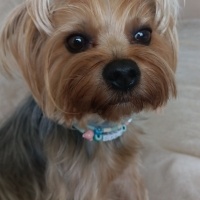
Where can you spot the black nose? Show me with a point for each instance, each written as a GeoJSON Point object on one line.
{"type": "Point", "coordinates": [122, 74]}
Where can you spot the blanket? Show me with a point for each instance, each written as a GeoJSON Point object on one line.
{"type": "Point", "coordinates": [171, 143]}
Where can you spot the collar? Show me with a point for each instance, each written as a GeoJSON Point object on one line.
{"type": "Point", "coordinates": [104, 132]}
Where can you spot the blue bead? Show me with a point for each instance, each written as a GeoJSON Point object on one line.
{"type": "Point", "coordinates": [124, 128]}
{"type": "Point", "coordinates": [98, 138]}
{"type": "Point", "coordinates": [98, 134]}
{"type": "Point", "coordinates": [98, 130]}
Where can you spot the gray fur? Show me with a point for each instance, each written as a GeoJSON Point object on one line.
{"type": "Point", "coordinates": [22, 154]}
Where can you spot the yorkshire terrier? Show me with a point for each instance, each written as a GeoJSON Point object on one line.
{"type": "Point", "coordinates": [90, 66]}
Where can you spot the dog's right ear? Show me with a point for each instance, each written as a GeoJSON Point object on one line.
{"type": "Point", "coordinates": [21, 39]}
{"type": "Point", "coordinates": [10, 48]}
{"type": "Point", "coordinates": [41, 11]}
{"type": "Point", "coordinates": [20, 36]}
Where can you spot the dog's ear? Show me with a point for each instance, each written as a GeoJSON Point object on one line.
{"type": "Point", "coordinates": [23, 30]}
{"type": "Point", "coordinates": [21, 39]}
{"type": "Point", "coordinates": [41, 12]}
{"type": "Point", "coordinates": [10, 51]}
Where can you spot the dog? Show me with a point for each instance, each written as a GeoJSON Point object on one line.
{"type": "Point", "coordinates": [90, 66]}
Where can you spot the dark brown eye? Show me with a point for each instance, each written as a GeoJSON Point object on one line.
{"type": "Point", "coordinates": [143, 36]}
{"type": "Point", "coordinates": [77, 43]}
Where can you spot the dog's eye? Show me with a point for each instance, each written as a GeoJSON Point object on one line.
{"type": "Point", "coordinates": [77, 43]}
{"type": "Point", "coordinates": [143, 36]}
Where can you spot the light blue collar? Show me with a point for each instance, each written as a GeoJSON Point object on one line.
{"type": "Point", "coordinates": [104, 132]}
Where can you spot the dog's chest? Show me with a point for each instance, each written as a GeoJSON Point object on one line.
{"type": "Point", "coordinates": [80, 177]}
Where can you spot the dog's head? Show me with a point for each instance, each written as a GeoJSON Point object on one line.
{"type": "Point", "coordinates": [84, 57]}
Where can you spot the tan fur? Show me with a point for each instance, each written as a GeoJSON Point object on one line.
{"type": "Point", "coordinates": [32, 40]}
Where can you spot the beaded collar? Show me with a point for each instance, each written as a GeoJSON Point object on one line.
{"type": "Point", "coordinates": [104, 132]}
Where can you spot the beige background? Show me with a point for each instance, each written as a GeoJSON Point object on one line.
{"type": "Point", "coordinates": [191, 9]}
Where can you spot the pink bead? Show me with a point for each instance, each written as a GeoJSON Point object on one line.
{"type": "Point", "coordinates": [88, 135]}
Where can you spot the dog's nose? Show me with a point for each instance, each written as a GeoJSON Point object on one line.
{"type": "Point", "coordinates": [122, 74]}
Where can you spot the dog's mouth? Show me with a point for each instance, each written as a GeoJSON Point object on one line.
{"type": "Point", "coordinates": [115, 108]}
{"type": "Point", "coordinates": [121, 101]}
{"type": "Point", "coordinates": [119, 98]}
